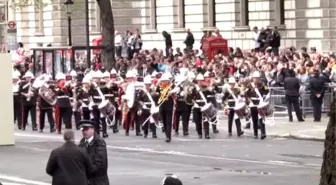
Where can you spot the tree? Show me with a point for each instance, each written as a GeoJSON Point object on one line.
{"type": "Point", "coordinates": [328, 170]}
{"type": "Point", "coordinates": [108, 54]}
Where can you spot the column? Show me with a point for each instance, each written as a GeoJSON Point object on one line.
{"type": "Point", "coordinates": [244, 17]}
{"type": "Point", "coordinates": [98, 19]}
{"type": "Point", "coordinates": [180, 27]}
{"type": "Point", "coordinates": [40, 31]}
{"type": "Point", "coordinates": [211, 16]}
{"type": "Point", "coordinates": [152, 13]}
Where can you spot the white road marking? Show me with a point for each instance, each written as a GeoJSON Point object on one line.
{"type": "Point", "coordinates": [21, 180]}
{"type": "Point", "coordinates": [10, 183]}
{"type": "Point", "coordinates": [282, 162]}
{"type": "Point", "coordinates": [174, 153]}
{"type": "Point", "coordinates": [311, 130]}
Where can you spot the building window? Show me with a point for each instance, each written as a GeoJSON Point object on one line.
{"type": "Point", "coordinates": [153, 8]}
{"type": "Point", "coordinates": [182, 13]}
{"type": "Point", "coordinates": [179, 23]}
{"type": "Point", "coordinates": [211, 17]}
{"type": "Point", "coordinates": [244, 16]}
{"type": "Point", "coordinates": [213, 6]}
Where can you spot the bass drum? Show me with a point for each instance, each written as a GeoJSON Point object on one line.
{"type": "Point", "coordinates": [265, 109]}
{"type": "Point", "coordinates": [47, 94]}
{"type": "Point", "coordinates": [108, 110]}
{"type": "Point", "coordinates": [210, 113]}
{"type": "Point", "coordinates": [241, 110]}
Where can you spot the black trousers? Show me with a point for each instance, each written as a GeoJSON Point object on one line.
{"type": "Point", "coordinates": [293, 101]}
{"type": "Point", "coordinates": [185, 116]}
{"type": "Point", "coordinates": [25, 111]}
{"type": "Point", "coordinates": [65, 114]}
{"type": "Point", "coordinates": [130, 119]}
{"type": "Point", "coordinates": [18, 113]}
{"type": "Point", "coordinates": [77, 115]}
{"type": "Point", "coordinates": [257, 122]}
{"type": "Point", "coordinates": [118, 50]}
{"type": "Point", "coordinates": [317, 108]}
{"type": "Point", "coordinates": [200, 123]}
{"type": "Point", "coordinates": [104, 124]}
{"type": "Point", "coordinates": [148, 125]}
{"type": "Point", "coordinates": [230, 122]}
{"type": "Point", "coordinates": [167, 120]}
{"type": "Point", "coordinates": [117, 117]}
{"type": "Point", "coordinates": [96, 118]}
{"type": "Point", "coordinates": [86, 113]}
{"type": "Point", "coordinates": [49, 113]}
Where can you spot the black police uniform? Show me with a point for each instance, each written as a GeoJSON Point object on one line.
{"type": "Point", "coordinates": [28, 105]}
{"type": "Point", "coordinates": [166, 112]}
{"type": "Point", "coordinates": [64, 108]}
{"type": "Point", "coordinates": [183, 110]}
{"type": "Point", "coordinates": [200, 121]}
{"type": "Point", "coordinates": [96, 148]}
{"type": "Point", "coordinates": [292, 87]}
{"type": "Point", "coordinates": [229, 101]}
{"type": "Point", "coordinates": [145, 107]}
{"type": "Point", "coordinates": [317, 86]}
{"type": "Point", "coordinates": [254, 98]}
{"type": "Point", "coordinates": [46, 108]}
{"type": "Point", "coordinates": [17, 101]}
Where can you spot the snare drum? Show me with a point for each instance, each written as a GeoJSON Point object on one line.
{"type": "Point", "coordinates": [265, 109]}
{"type": "Point", "coordinates": [107, 108]}
{"type": "Point", "coordinates": [240, 110]}
{"type": "Point", "coordinates": [210, 113]}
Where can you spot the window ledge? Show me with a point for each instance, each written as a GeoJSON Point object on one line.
{"type": "Point", "coordinates": [179, 30]}
{"type": "Point", "coordinates": [208, 29]}
{"type": "Point", "coordinates": [280, 26]}
{"type": "Point", "coordinates": [241, 28]}
{"type": "Point", "coordinates": [150, 30]}
{"type": "Point", "coordinates": [38, 34]}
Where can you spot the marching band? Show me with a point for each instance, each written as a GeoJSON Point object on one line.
{"type": "Point", "coordinates": [142, 103]}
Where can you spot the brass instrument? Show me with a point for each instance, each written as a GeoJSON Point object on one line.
{"type": "Point", "coordinates": [164, 93]}
{"type": "Point", "coordinates": [188, 90]}
{"type": "Point", "coordinates": [141, 104]}
{"type": "Point", "coordinates": [30, 93]}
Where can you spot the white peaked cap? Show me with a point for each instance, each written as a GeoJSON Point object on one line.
{"type": "Point", "coordinates": [148, 79]}
{"type": "Point", "coordinates": [113, 71]}
{"type": "Point", "coordinates": [60, 76]}
{"type": "Point", "coordinates": [135, 72]}
{"type": "Point", "coordinates": [130, 74]}
{"type": "Point", "coordinates": [154, 73]}
{"type": "Point", "coordinates": [206, 74]}
{"type": "Point", "coordinates": [73, 73]}
{"type": "Point", "coordinates": [165, 77]}
{"type": "Point", "coordinates": [199, 77]}
{"type": "Point", "coordinates": [28, 74]}
{"type": "Point", "coordinates": [256, 74]}
{"type": "Point", "coordinates": [97, 74]}
{"type": "Point", "coordinates": [106, 74]}
{"type": "Point", "coordinates": [232, 80]}
{"type": "Point", "coordinates": [86, 79]}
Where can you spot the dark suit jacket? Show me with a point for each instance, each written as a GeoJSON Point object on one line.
{"type": "Point", "coordinates": [69, 165]}
{"type": "Point", "coordinates": [292, 86]}
{"type": "Point", "coordinates": [317, 86]}
{"type": "Point", "coordinates": [98, 154]}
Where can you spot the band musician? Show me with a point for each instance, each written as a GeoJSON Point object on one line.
{"type": "Point", "coordinates": [209, 77]}
{"type": "Point", "coordinates": [17, 98]}
{"type": "Point", "coordinates": [46, 107]}
{"type": "Point", "coordinates": [230, 100]}
{"type": "Point", "coordinates": [255, 93]}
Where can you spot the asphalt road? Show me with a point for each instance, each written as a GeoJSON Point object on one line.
{"type": "Point", "coordinates": [134, 160]}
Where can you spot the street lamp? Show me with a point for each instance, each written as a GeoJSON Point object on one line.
{"type": "Point", "coordinates": [68, 4]}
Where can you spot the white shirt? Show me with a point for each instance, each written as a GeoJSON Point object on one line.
{"type": "Point", "coordinates": [117, 40]}
{"type": "Point", "coordinates": [89, 140]}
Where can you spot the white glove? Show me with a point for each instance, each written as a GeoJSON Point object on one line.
{"type": "Point", "coordinates": [154, 109]}
{"type": "Point", "coordinates": [182, 93]}
{"type": "Point", "coordinates": [198, 88]}
{"type": "Point", "coordinates": [91, 104]}
{"type": "Point", "coordinates": [175, 90]}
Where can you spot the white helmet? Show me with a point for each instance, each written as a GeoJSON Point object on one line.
{"type": "Point", "coordinates": [106, 74]}
{"type": "Point", "coordinates": [199, 77]}
{"type": "Point", "coordinates": [165, 77]}
{"type": "Point", "coordinates": [60, 76]}
{"type": "Point", "coordinates": [113, 71]}
{"type": "Point", "coordinates": [256, 74]}
{"type": "Point", "coordinates": [232, 80]}
{"type": "Point", "coordinates": [130, 74]}
{"type": "Point", "coordinates": [28, 74]}
{"type": "Point", "coordinates": [73, 73]}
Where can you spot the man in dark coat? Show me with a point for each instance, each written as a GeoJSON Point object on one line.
{"type": "Point", "coordinates": [96, 148]}
{"type": "Point", "coordinates": [292, 87]}
{"type": "Point", "coordinates": [317, 88]}
{"type": "Point", "coordinates": [69, 164]}
{"type": "Point", "coordinates": [189, 41]}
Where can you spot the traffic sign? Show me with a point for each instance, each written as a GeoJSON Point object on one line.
{"type": "Point", "coordinates": [11, 25]}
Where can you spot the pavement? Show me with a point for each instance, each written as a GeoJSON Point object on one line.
{"type": "Point", "coordinates": [134, 160]}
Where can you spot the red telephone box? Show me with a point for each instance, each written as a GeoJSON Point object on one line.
{"type": "Point", "coordinates": [214, 45]}
{"type": "Point", "coordinates": [97, 42]}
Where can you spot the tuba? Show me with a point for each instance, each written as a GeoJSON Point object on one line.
{"type": "Point", "coordinates": [188, 90]}
{"type": "Point", "coordinates": [47, 94]}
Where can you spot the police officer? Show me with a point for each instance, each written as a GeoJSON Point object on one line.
{"type": "Point", "coordinates": [146, 104]}
{"type": "Point", "coordinates": [292, 87]}
{"type": "Point", "coordinates": [317, 88]}
{"type": "Point", "coordinates": [96, 148]}
{"type": "Point", "coordinates": [63, 113]}
{"type": "Point", "coordinates": [257, 89]}
{"type": "Point", "coordinates": [28, 100]}
{"type": "Point", "coordinates": [230, 99]}
{"type": "Point", "coordinates": [200, 101]}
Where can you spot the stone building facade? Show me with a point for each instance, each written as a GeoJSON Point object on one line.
{"type": "Point", "coordinates": [302, 22]}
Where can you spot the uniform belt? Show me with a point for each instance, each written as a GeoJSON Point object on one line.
{"type": "Point", "coordinates": [85, 99]}
{"type": "Point", "coordinates": [147, 103]}
{"type": "Point", "coordinates": [199, 101]}
{"type": "Point", "coordinates": [60, 97]}
{"type": "Point", "coordinates": [254, 98]}
{"type": "Point", "coordinates": [231, 100]}
{"type": "Point", "coordinates": [108, 95]}
{"type": "Point", "coordinates": [97, 97]}
{"type": "Point", "coordinates": [15, 94]}
{"type": "Point", "coordinates": [211, 96]}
